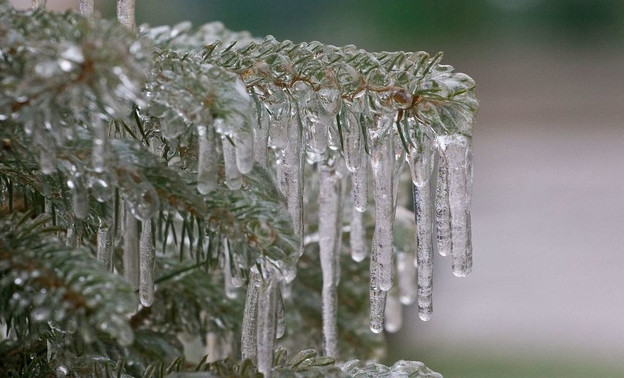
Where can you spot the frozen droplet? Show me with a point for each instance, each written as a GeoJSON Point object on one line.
{"type": "Point", "coordinates": [424, 252]}
{"type": "Point", "coordinates": [392, 314]}
{"type": "Point", "coordinates": [146, 264]}
{"type": "Point", "coordinates": [207, 160]}
{"type": "Point", "coordinates": [233, 177]}
{"type": "Point", "coordinates": [377, 309]}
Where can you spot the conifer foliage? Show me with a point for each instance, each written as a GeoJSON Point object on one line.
{"type": "Point", "coordinates": [173, 182]}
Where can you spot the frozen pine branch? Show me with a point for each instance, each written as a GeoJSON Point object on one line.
{"type": "Point", "coordinates": [226, 178]}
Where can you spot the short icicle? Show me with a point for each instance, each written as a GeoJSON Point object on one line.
{"type": "Point", "coordinates": [267, 324]}
{"type": "Point", "coordinates": [382, 165]}
{"type": "Point", "coordinates": [459, 155]}
{"type": "Point", "coordinates": [424, 249]}
{"type": "Point", "coordinates": [443, 213]}
{"type": "Point", "coordinates": [233, 177]}
{"type": "Point", "coordinates": [146, 264]}
{"type": "Point", "coordinates": [207, 160]}
{"type": "Point", "coordinates": [249, 346]}
{"type": "Point", "coordinates": [330, 211]}
{"type": "Point", "coordinates": [131, 248]}
{"type": "Point", "coordinates": [105, 245]}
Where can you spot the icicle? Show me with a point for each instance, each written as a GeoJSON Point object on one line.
{"type": "Point", "coordinates": [125, 13]}
{"type": "Point", "coordinates": [352, 139]}
{"type": "Point", "coordinates": [377, 309]}
{"type": "Point", "coordinates": [233, 177]}
{"type": "Point", "coordinates": [238, 278]}
{"type": "Point", "coordinates": [392, 314]}
{"type": "Point", "coordinates": [458, 155]}
{"type": "Point", "coordinates": [357, 236]}
{"type": "Point", "coordinates": [86, 7]}
{"type": "Point", "coordinates": [360, 184]}
{"type": "Point", "coordinates": [146, 264]}
{"type": "Point", "coordinates": [230, 290]}
{"type": "Point", "coordinates": [80, 197]}
{"type": "Point", "coordinates": [105, 245]}
{"type": "Point", "coordinates": [382, 164]}
{"type": "Point", "coordinates": [131, 248]}
{"type": "Point", "coordinates": [207, 160]}
{"type": "Point", "coordinates": [267, 324]}
{"type": "Point", "coordinates": [406, 273]}
{"type": "Point", "coordinates": [47, 161]}
{"type": "Point", "coordinates": [244, 151]}
{"type": "Point", "coordinates": [443, 213]}
{"type": "Point", "coordinates": [290, 176]}
{"type": "Point", "coordinates": [330, 211]}
{"type": "Point", "coordinates": [424, 252]}
{"type": "Point", "coordinates": [281, 315]}
{"type": "Point", "coordinates": [74, 235]}
{"type": "Point", "coordinates": [249, 348]}
{"type": "Point", "coordinates": [38, 4]}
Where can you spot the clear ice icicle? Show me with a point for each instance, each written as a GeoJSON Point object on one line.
{"type": "Point", "coordinates": [424, 250]}
{"type": "Point", "coordinates": [47, 161]}
{"type": "Point", "coordinates": [393, 313]}
{"type": "Point", "coordinates": [330, 211]}
{"type": "Point", "coordinates": [421, 161]}
{"type": "Point", "coordinates": [377, 309]}
{"type": "Point", "coordinates": [100, 155]}
{"type": "Point", "coordinates": [249, 347]}
{"type": "Point", "coordinates": [357, 236]}
{"type": "Point", "coordinates": [406, 272]}
{"type": "Point", "coordinates": [382, 166]}
{"type": "Point", "coordinates": [458, 155]}
{"type": "Point", "coordinates": [360, 184]}
{"type": "Point", "coordinates": [230, 289]}
{"type": "Point", "coordinates": [233, 177]}
{"type": "Point", "coordinates": [244, 151]}
{"type": "Point", "coordinates": [146, 264]}
{"type": "Point", "coordinates": [131, 248]}
{"type": "Point", "coordinates": [261, 136]}
{"type": "Point", "coordinates": [443, 212]}
{"type": "Point", "coordinates": [105, 245]}
{"type": "Point", "coordinates": [207, 160]}
{"type": "Point", "coordinates": [352, 139]}
{"type": "Point", "coordinates": [267, 324]}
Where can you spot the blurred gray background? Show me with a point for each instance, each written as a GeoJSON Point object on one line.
{"type": "Point", "coordinates": [546, 297]}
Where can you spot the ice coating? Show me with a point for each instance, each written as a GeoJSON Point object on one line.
{"type": "Point", "coordinates": [424, 251]}
{"type": "Point", "coordinates": [330, 211]}
{"type": "Point", "coordinates": [146, 264]}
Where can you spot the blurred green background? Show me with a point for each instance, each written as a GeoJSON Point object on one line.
{"type": "Point", "coordinates": [545, 297]}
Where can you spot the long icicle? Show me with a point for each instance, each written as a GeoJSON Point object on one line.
{"type": "Point", "coordinates": [458, 154]}
{"type": "Point", "coordinates": [424, 251]}
{"type": "Point", "coordinates": [382, 161]}
{"type": "Point", "coordinates": [249, 346]}
{"type": "Point", "coordinates": [330, 211]}
{"type": "Point", "coordinates": [131, 248]}
{"type": "Point", "coordinates": [443, 213]}
{"type": "Point", "coordinates": [146, 264]}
